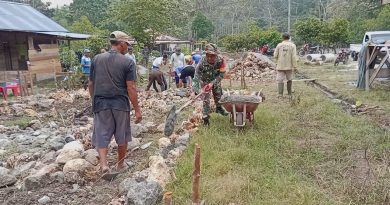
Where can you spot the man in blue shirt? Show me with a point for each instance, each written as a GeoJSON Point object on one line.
{"type": "Point", "coordinates": [196, 58]}
{"type": "Point", "coordinates": [86, 67]}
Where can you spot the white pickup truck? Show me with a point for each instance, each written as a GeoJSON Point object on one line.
{"type": "Point", "coordinates": [377, 37]}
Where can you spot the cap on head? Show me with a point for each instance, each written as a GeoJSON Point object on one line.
{"type": "Point", "coordinates": [286, 35]}
{"type": "Point", "coordinates": [212, 49]}
{"type": "Point", "coordinates": [120, 36]}
{"type": "Point", "coordinates": [86, 50]}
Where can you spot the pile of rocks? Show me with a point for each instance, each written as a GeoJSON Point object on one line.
{"type": "Point", "coordinates": [55, 146]}
{"type": "Point", "coordinates": [253, 67]}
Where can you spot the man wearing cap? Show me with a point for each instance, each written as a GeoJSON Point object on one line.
{"type": "Point", "coordinates": [208, 76]}
{"type": "Point", "coordinates": [85, 67]}
{"type": "Point", "coordinates": [112, 86]}
{"type": "Point", "coordinates": [286, 59]}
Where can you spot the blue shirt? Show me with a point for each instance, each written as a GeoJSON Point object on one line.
{"type": "Point", "coordinates": [196, 58]}
{"type": "Point", "coordinates": [86, 65]}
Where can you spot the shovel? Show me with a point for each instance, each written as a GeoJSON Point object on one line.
{"type": "Point", "coordinates": [172, 116]}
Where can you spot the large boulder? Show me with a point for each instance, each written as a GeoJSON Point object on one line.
{"type": "Point", "coordinates": [7, 180]}
{"type": "Point", "coordinates": [75, 145]}
{"type": "Point", "coordinates": [77, 165]}
{"type": "Point", "coordinates": [92, 156]}
{"type": "Point", "coordinates": [35, 124]}
{"type": "Point", "coordinates": [159, 170]}
{"type": "Point", "coordinates": [41, 178]}
{"type": "Point", "coordinates": [4, 171]}
{"type": "Point", "coordinates": [23, 170]}
{"type": "Point", "coordinates": [56, 143]}
{"type": "Point", "coordinates": [67, 155]}
{"type": "Point", "coordinates": [142, 193]}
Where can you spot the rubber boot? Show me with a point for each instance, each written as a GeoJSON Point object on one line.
{"type": "Point", "coordinates": [280, 89]}
{"type": "Point", "coordinates": [206, 120]}
{"type": "Point", "coordinates": [221, 111]}
{"type": "Point", "coordinates": [289, 87]}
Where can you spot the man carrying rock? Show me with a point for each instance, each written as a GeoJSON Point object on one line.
{"type": "Point", "coordinates": [286, 59]}
{"type": "Point", "coordinates": [111, 86]}
{"type": "Point", "coordinates": [208, 76]}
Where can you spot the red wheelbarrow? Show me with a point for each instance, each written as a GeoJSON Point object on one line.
{"type": "Point", "coordinates": [241, 107]}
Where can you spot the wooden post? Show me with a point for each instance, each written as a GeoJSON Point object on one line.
{"type": "Point", "coordinates": [367, 76]}
{"type": "Point", "coordinates": [196, 177]}
{"type": "Point", "coordinates": [168, 198]}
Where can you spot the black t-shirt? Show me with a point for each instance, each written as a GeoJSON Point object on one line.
{"type": "Point", "coordinates": [109, 73]}
{"type": "Point", "coordinates": [187, 71]}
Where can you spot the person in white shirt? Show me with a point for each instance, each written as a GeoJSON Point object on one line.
{"type": "Point", "coordinates": [156, 75]}
{"type": "Point", "coordinates": [177, 62]}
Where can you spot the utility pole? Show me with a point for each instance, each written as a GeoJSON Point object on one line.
{"type": "Point", "coordinates": [289, 16]}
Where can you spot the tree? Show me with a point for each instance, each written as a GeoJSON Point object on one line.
{"type": "Point", "coordinates": [63, 16]}
{"type": "Point", "coordinates": [335, 32]}
{"type": "Point", "coordinates": [309, 30]}
{"type": "Point", "coordinates": [97, 41]}
{"type": "Point", "coordinates": [202, 26]}
{"type": "Point", "coordinates": [95, 10]}
{"type": "Point", "coordinates": [146, 19]}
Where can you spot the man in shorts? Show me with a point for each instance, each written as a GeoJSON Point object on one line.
{"type": "Point", "coordinates": [286, 58]}
{"type": "Point", "coordinates": [112, 86]}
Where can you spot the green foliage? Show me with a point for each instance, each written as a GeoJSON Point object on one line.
{"type": "Point", "coordinates": [202, 26]}
{"type": "Point", "coordinates": [309, 30]}
{"type": "Point", "coordinates": [63, 16]}
{"type": "Point", "coordinates": [335, 32]}
{"type": "Point", "coordinates": [155, 53]}
{"type": "Point", "coordinates": [96, 42]}
{"type": "Point", "coordinates": [145, 19]}
{"type": "Point", "coordinates": [22, 123]}
{"type": "Point", "coordinates": [68, 57]}
{"type": "Point", "coordinates": [94, 10]}
{"type": "Point", "coordinates": [72, 82]}
{"type": "Point", "coordinates": [255, 37]}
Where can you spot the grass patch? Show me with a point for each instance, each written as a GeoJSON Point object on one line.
{"type": "Point", "coordinates": [21, 122]}
{"type": "Point", "coordinates": [305, 154]}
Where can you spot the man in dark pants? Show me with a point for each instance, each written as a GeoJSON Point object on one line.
{"type": "Point", "coordinates": [156, 76]}
{"type": "Point", "coordinates": [111, 86]}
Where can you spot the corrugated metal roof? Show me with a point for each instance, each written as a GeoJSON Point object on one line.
{"type": "Point", "coordinates": [22, 17]}
{"type": "Point", "coordinates": [66, 35]}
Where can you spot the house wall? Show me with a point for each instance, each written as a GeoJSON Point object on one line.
{"type": "Point", "coordinates": [18, 48]}
{"type": "Point", "coordinates": [13, 53]}
{"type": "Point", "coordinates": [43, 62]}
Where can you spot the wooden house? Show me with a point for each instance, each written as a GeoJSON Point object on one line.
{"type": "Point", "coordinates": [29, 41]}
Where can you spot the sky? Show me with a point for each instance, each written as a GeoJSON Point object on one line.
{"type": "Point", "coordinates": [59, 3]}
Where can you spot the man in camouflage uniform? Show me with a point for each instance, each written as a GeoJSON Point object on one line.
{"type": "Point", "coordinates": [208, 76]}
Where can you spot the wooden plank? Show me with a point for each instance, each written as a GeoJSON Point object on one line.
{"type": "Point", "coordinates": [376, 70]}
{"type": "Point", "coordinates": [305, 80]}
{"type": "Point", "coordinates": [367, 76]}
{"type": "Point", "coordinates": [373, 56]}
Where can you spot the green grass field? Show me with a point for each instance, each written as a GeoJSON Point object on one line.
{"type": "Point", "coordinates": [309, 153]}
